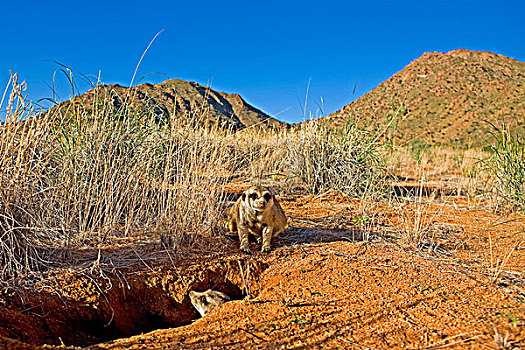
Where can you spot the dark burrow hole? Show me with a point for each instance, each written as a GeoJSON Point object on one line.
{"type": "Point", "coordinates": [123, 311]}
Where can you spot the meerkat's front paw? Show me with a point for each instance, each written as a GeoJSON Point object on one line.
{"type": "Point", "coordinates": [266, 249]}
{"type": "Point", "coordinates": [245, 249]}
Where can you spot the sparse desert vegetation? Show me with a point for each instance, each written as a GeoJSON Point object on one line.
{"type": "Point", "coordinates": [448, 98]}
{"type": "Point", "coordinates": [110, 213]}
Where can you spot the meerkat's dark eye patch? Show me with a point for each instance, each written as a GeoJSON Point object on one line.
{"type": "Point", "coordinates": [204, 300]}
{"type": "Point", "coordinates": [267, 196]}
{"type": "Point", "coordinates": [253, 196]}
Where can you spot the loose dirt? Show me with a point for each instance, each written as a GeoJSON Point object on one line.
{"type": "Point", "coordinates": [322, 286]}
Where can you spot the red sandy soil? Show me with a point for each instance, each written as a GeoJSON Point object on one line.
{"type": "Point", "coordinates": [322, 286]}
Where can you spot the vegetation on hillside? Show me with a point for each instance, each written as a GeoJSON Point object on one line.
{"type": "Point", "coordinates": [448, 99]}
{"type": "Point", "coordinates": [175, 99]}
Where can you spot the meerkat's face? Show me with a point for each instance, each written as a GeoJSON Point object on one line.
{"type": "Point", "coordinates": [258, 197]}
{"type": "Point", "coordinates": [206, 301]}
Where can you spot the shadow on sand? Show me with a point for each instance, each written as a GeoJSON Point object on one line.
{"type": "Point", "coordinates": [296, 235]}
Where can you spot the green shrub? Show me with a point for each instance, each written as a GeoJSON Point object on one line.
{"type": "Point", "coordinates": [507, 164]}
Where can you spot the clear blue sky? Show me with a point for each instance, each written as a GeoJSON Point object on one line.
{"type": "Point", "coordinates": [266, 51]}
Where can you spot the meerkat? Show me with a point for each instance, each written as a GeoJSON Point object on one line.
{"type": "Point", "coordinates": [257, 212]}
{"type": "Point", "coordinates": [206, 301]}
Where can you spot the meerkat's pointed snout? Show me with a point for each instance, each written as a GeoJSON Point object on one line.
{"type": "Point", "coordinates": [205, 302]}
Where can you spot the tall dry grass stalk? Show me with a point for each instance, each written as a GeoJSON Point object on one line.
{"type": "Point", "coordinates": [24, 156]}
{"type": "Point", "coordinates": [74, 177]}
{"type": "Point", "coordinates": [417, 212]}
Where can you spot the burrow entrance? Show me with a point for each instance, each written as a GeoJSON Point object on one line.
{"type": "Point", "coordinates": [88, 312]}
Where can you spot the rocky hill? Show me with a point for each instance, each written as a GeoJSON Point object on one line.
{"type": "Point", "coordinates": [446, 98]}
{"type": "Point", "coordinates": [177, 98]}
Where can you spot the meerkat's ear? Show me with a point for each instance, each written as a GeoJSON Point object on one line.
{"type": "Point", "coordinates": [243, 196]}
{"type": "Point", "coordinates": [272, 191]}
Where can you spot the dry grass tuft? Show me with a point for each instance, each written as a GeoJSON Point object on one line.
{"type": "Point", "coordinates": [347, 162]}
{"type": "Point", "coordinates": [73, 179]}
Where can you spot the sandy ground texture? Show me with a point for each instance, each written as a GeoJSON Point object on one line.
{"type": "Point", "coordinates": [333, 280]}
